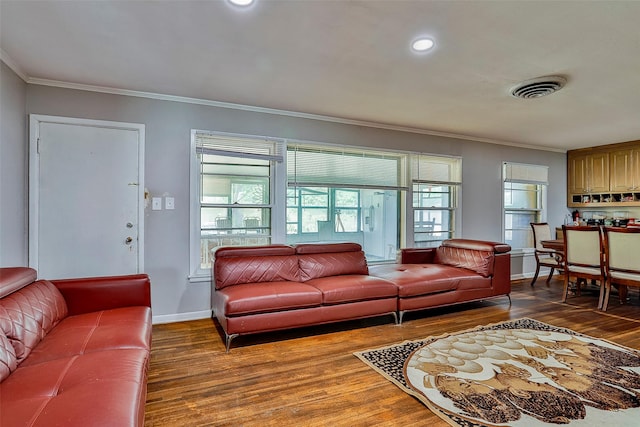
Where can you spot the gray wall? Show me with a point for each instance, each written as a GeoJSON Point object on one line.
{"type": "Point", "coordinates": [13, 169]}
{"type": "Point", "coordinates": [168, 126]}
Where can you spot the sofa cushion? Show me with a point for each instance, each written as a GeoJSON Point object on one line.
{"type": "Point", "coordinates": [480, 261]}
{"type": "Point", "coordinates": [337, 290]}
{"type": "Point", "coordinates": [88, 294]}
{"type": "Point", "coordinates": [8, 360]}
{"type": "Point", "coordinates": [314, 266]}
{"type": "Point", "coordinates": [423, 279]}
{"type": "Point", "coordinates": [106, 388]}
{"type": "Point", "coordinates": [127, 327]}
{"type": "Point", "coordinates": [254, 269]}
{"type": "Point", "coordinates": [251, 298]}
{"type": "Point", "coordinates": [29, 314]}
{"type": "Point", "coordinates": [474, 283]}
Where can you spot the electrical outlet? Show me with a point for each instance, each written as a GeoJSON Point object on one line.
{"type": "Point", "coordinates": [156, 203]}
{"type": "Point", "coordinates": [169, 203]}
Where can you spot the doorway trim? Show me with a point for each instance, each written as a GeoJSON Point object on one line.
{"type": "Point", "coordinates": [35, 120]}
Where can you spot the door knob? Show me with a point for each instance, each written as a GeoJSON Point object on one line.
{"type": "Point", "coordinates": [128, 240]}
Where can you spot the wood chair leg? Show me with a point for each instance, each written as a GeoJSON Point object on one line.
{"type": "Point", "coordinates": [623, 291]}
{"type": "Point", "coordinates": [565, 290]}
{"type": "Point", "coordinates": [550, 274]}
{"type": "Point", "coordinates": [535, 276]}
{"type": "Point", "coordinates": [601, 296]}
{"type": "Point", "coordinates": [605, 299]}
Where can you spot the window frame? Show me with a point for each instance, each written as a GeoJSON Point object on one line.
{"type": "Point", "coordinates": [197, 273]}
{"type": "Point", "coordinates": [280, 186]}
{"type": "Point", "coordinates": [527, 174]}
{"type": "Point", "coordinates": [452, 211]}
{"type": "Point", "coordinates": [348, 172]}
{"type": "Point", "coordinates": [436, 170]}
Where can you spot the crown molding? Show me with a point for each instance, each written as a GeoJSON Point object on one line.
{"type": "Point", "coordinates": [331, 119]}
{"type": "Point", "coordinates": [4, 56]}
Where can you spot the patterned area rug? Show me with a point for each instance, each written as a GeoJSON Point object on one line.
{"type": "Point", "coordinates": [517, 373]}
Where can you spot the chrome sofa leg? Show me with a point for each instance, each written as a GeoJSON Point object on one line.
{"type": "Point", "coordinates": [228, 340]}
{"type": "Point", "coordinates": [395, 317]}
{"type": "Point", "coordinates": [399, 320]}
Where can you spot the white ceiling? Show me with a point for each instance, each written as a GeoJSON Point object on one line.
{"type": "Point", "coordinates": [351, 60]}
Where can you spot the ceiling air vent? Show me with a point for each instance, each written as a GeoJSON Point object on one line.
{"type": "Point", "coordinates": [535, 88]}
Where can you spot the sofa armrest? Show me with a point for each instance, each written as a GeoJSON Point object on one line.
{"type": "Point", "coordinates": [501, 281]}
{"type": "Point", "coordinates": [417, 255]}
{"type": "Point", "coordinates": [85, 295]}
{"type": "Point", "coordinates": [477, 245]}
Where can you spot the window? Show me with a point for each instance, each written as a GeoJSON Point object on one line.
{"type": "Point", "coordinates": [345, 194]}
{"type": "Point", "coordinates": [306, 207]}
{"type": "Point", "coordinates": [524, 201]}
{"type": "Point", "coordinates": [233, 192]}
{"type": "Point", "coordinates": [347, 210]}
{"type": "Point", "coordinates": [245, 192]}
{"type": "Point", "coordinates": [435, 185]}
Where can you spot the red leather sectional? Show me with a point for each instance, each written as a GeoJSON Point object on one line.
{"type": "Point", "coordinates": [73, 352]}
{"type": "Point", "coordinates": [268, 288]}
{"type": "Point", "coordinates": [260, 289]}
{"type": "Point", "coordinates": [460, 270]}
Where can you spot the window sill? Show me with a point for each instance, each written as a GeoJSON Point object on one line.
{"type": "Point", "coordinates": [199, 278]}
{"type": "Point", "coordinates": [522, 251]}
{"type": "Point", "coordinates": [381, 262]}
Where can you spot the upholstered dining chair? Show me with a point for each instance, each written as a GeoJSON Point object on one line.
{"type": "Point", "coordinates": [583, 258]}
{"type": "Point", "coordinates": [252, 225]}
{"type": "Point", "coordinates": [544, 257]}
{"type": "Point", "coordinates": [621, 266]}
{"type": "Point", "coordinates": [223, 224]}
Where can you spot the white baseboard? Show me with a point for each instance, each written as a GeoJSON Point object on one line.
{"type": "Point", "coordinates": [206, 314]}
{"type": "Point", "coordinates": [181, 317]}
{"type": "Point", "coordinates": [543, 274]}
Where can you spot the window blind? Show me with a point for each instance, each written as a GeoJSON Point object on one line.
{"type": "Point", "coordinates": [346, 167]}
{"type": "Point", "coordinates": [239, 146]}
{"type": "Point", "coordinates": [426, 168]}
{"type": "Point", "coordinates": [526, 174]}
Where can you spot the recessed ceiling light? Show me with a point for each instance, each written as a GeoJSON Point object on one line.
{"type": "Point", "coordinates": [422, 44]}
{"type": "Point", "coordinates": [241, 2]}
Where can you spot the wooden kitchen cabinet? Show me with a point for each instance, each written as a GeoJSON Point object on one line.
{"type": "Point", "coordinates": [588, 173]}
{"type": "Point", "coordinates": [625, 170]}
{"type": "Point", "coordinates": [608, 175]}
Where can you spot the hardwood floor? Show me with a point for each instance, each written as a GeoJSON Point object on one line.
{"type": "Point", "coordinates": [309, 377]}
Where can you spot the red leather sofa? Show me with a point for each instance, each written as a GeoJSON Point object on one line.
{"type": "Point", "coordinates": [268, 288]}
{"type": "Point", "coordinates": [459, 270]}
{"type": "Point", "coordinates": [73, 352]}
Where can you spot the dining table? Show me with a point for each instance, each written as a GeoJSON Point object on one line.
{"type": "Point", "coordinates": [555, 244]}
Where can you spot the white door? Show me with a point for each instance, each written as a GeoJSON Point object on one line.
{"type": "Point", "coordinates": [86, 197]}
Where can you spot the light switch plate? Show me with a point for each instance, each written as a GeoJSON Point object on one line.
{"type": "Point", "coordinates": [169, 203]}
{"type": "Point", "coordinates": [156, 203]}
